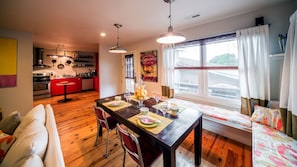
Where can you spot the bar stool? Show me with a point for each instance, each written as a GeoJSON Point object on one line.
{"type": "Point", "coordinates": [104, 121]}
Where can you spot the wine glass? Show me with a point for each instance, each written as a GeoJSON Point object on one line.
{"type": "Point", "coordinates": [164, 108]}
{"type": "Point", "coordinates": [127, 96]}
{"type": "Point", "coordinates": [163, 111]}
{"type": "Point", "coordinates": [157, 98]}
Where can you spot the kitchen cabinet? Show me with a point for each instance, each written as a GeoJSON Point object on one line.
{"type": "Point", "coordinates": [59, 90]}
{"type": "Point", "coordinates": [96, 84]}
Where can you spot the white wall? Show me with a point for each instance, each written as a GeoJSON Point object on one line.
{"type": "Point", "coordinates": [110, 72]}
{"type": "Point", "coordinates": [147, 46]}
{"type": "Point", "coordinates": [277, 16]}
{"type": "Point", "coordinates": [20, 97]}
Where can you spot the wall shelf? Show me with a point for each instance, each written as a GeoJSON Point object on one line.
{"type": "Point", "coordinates": [84, 61]}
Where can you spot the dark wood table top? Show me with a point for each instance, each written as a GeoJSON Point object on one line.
{"type": "Point", "coordinates": [170, 137]}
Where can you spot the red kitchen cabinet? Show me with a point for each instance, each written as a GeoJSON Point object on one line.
{"type": "Point", "coordinates": [96, 83]}
{"type": "Point", "coordinates": [59, 90]}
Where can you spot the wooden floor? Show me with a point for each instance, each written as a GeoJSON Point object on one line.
{"type": "Point", "coordinates": [77, 129]}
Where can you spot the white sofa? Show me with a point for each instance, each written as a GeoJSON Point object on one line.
{"type": "Point", "coordinates": [36, 142]}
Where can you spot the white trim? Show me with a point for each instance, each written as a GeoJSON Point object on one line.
{"type": "Point", "coordinates": [231, 104]}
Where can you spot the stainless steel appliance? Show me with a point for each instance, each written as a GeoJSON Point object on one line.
{"type": "Point", "coordinates": [87, 83]}
{"type": "Point", "coordinates": [41, 85]}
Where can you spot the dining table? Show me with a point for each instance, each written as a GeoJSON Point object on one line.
{"type": "Point", "coordinates": [65, 84]}
{"type": "Point", "coordinates": [170, 137]}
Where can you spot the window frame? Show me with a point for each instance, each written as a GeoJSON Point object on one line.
{"type": "Point", "coordinates": [202, 94]}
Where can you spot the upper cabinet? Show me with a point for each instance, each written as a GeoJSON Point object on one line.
{"type": "Point", "coordinates": [85, 59]}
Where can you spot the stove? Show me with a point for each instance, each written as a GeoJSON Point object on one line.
{"type": "Point", "coordinates": [41, 85]}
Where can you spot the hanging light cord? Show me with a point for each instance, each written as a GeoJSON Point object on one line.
{"type": "Point", "coordinates": [118, 38]}
{"type": "Point", "coordinates": [169, 12]}
{"type": "Point", "coordinates": [118, 26]}
{"type": "Point", "coordinates": [170, 28]}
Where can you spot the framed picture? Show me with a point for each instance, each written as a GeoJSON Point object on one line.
{"type": "Point", "coordinates": [149, 66]}
{"type": "Point", "coordinates": [8, 62]}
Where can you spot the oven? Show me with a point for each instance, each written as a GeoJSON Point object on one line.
{"type": "Point", "coordinates": [41, 85]}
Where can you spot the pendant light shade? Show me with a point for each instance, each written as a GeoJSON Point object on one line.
{"type": "Point", "coordinates": [170, 37]}
{"type": "Point", "coordinates": [117, 48]}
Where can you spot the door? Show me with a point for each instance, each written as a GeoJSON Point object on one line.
{"type": "Point", "coordinates": [129, 69]}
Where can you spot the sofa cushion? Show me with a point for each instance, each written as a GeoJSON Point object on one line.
{"type": "Point", "coordinates": [33, 140]}
{"type": "Point", "coordinates": [268, 116]}
{"type": "Point", "coordinates": [6, 141]}
{"type": "Point", "coordinates": [36, 113]}
{"type": "Point", "coordinates": [32, 161]}
{"type": "Point", "coordinates": [10, 123]}
{"type": "Point", "coordinates": [54, 155]}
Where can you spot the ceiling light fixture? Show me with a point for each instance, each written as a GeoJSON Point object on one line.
{"type": "Point", "coordinates": [170, 37]}
{"type": "Point", "coordinates": [117, 48]}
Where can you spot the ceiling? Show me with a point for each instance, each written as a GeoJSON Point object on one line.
{"type": "Point", "coordinates": [77, 24]}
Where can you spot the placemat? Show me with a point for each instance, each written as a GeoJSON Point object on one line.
{"type": "Point", "coordinates": [180, 107]}
{"type": "Point", "coordinates": [115, 108]}
{"type": "Point", "coordinates": [164, 122]}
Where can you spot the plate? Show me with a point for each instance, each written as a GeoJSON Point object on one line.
{"type": "Point", "coordinates": [147, 120]}
{"type": "Point", "coordinates": [146, 126]}
{"type": "Point", "coordinates": [116, 104]}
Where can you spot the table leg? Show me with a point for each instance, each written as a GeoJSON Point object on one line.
{"type": "Point", "coordinates": [65, 93]}
{"type": "Point", "coordinates": [100, 131]}
{"type": "Point", "coordinates": [198, 142]}
{"type": "Point", "coordinates": [169, 159]}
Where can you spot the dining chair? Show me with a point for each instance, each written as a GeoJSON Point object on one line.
{"type": "Point", "coordinates": [139, 149]}
{"type": "Point", "coordinates": [104, 121]}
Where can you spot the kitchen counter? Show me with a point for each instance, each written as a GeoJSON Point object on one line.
{"type": "Point", "coordinates": [58, 90]}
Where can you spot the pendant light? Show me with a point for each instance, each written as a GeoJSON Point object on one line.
{"type": "Point", "coordinates": [170, 37]}
{"type": "Point", "coordinates": [117, 48]}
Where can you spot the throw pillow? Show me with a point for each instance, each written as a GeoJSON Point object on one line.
{"type": "Point", "coordinates": [268, 116]}
{"type": "Point", "coordinates": [10, 123]}
{"type": "Point", "coordinates": [33, 140]}
{"type": "Point", "coordinates": [36, 113]}
{"type": "Point", "coordinates": [5, 142]}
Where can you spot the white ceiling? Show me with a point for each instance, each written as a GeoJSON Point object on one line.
{"type": "Point", "coordinates": [77, 24]}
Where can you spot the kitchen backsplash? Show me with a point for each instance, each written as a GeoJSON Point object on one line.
{"type": "Point", "coordinates": [62, 68]}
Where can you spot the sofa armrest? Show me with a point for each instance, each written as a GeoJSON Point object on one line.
{"type": "Point", "coordinates": [54, 155]}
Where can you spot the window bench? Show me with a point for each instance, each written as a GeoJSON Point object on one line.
{"type": "Point", "coordinates": [228, 123]}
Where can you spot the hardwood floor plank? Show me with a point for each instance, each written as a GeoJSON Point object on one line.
{"type": "Point", "coordinates": [77, 128]}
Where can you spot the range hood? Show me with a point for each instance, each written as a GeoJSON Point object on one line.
{"type": "Point", "coordinates": [38, 58]}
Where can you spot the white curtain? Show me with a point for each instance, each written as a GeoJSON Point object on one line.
{"type": "Point", "coordinates": [253, 54]}
{"type": "Point", "coordinates": [168, 65]}
{"type": "Point", "coordinates": [288, 92]}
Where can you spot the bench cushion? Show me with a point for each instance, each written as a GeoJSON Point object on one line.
{"type": "Point", "coordinates": [228, 116]}
{"type": "Point", "coordinates": [272, 147]}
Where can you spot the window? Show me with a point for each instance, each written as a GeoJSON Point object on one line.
{"type": "Point", "coordinates": [129, 67]}
{"type": "Point", "coordinates": [208, 67]}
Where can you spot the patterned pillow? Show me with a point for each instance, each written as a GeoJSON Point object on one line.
{"type": "Point", "coordinates": [268, 116]}
{"type": "Point", "coordinates": [5, 142]}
